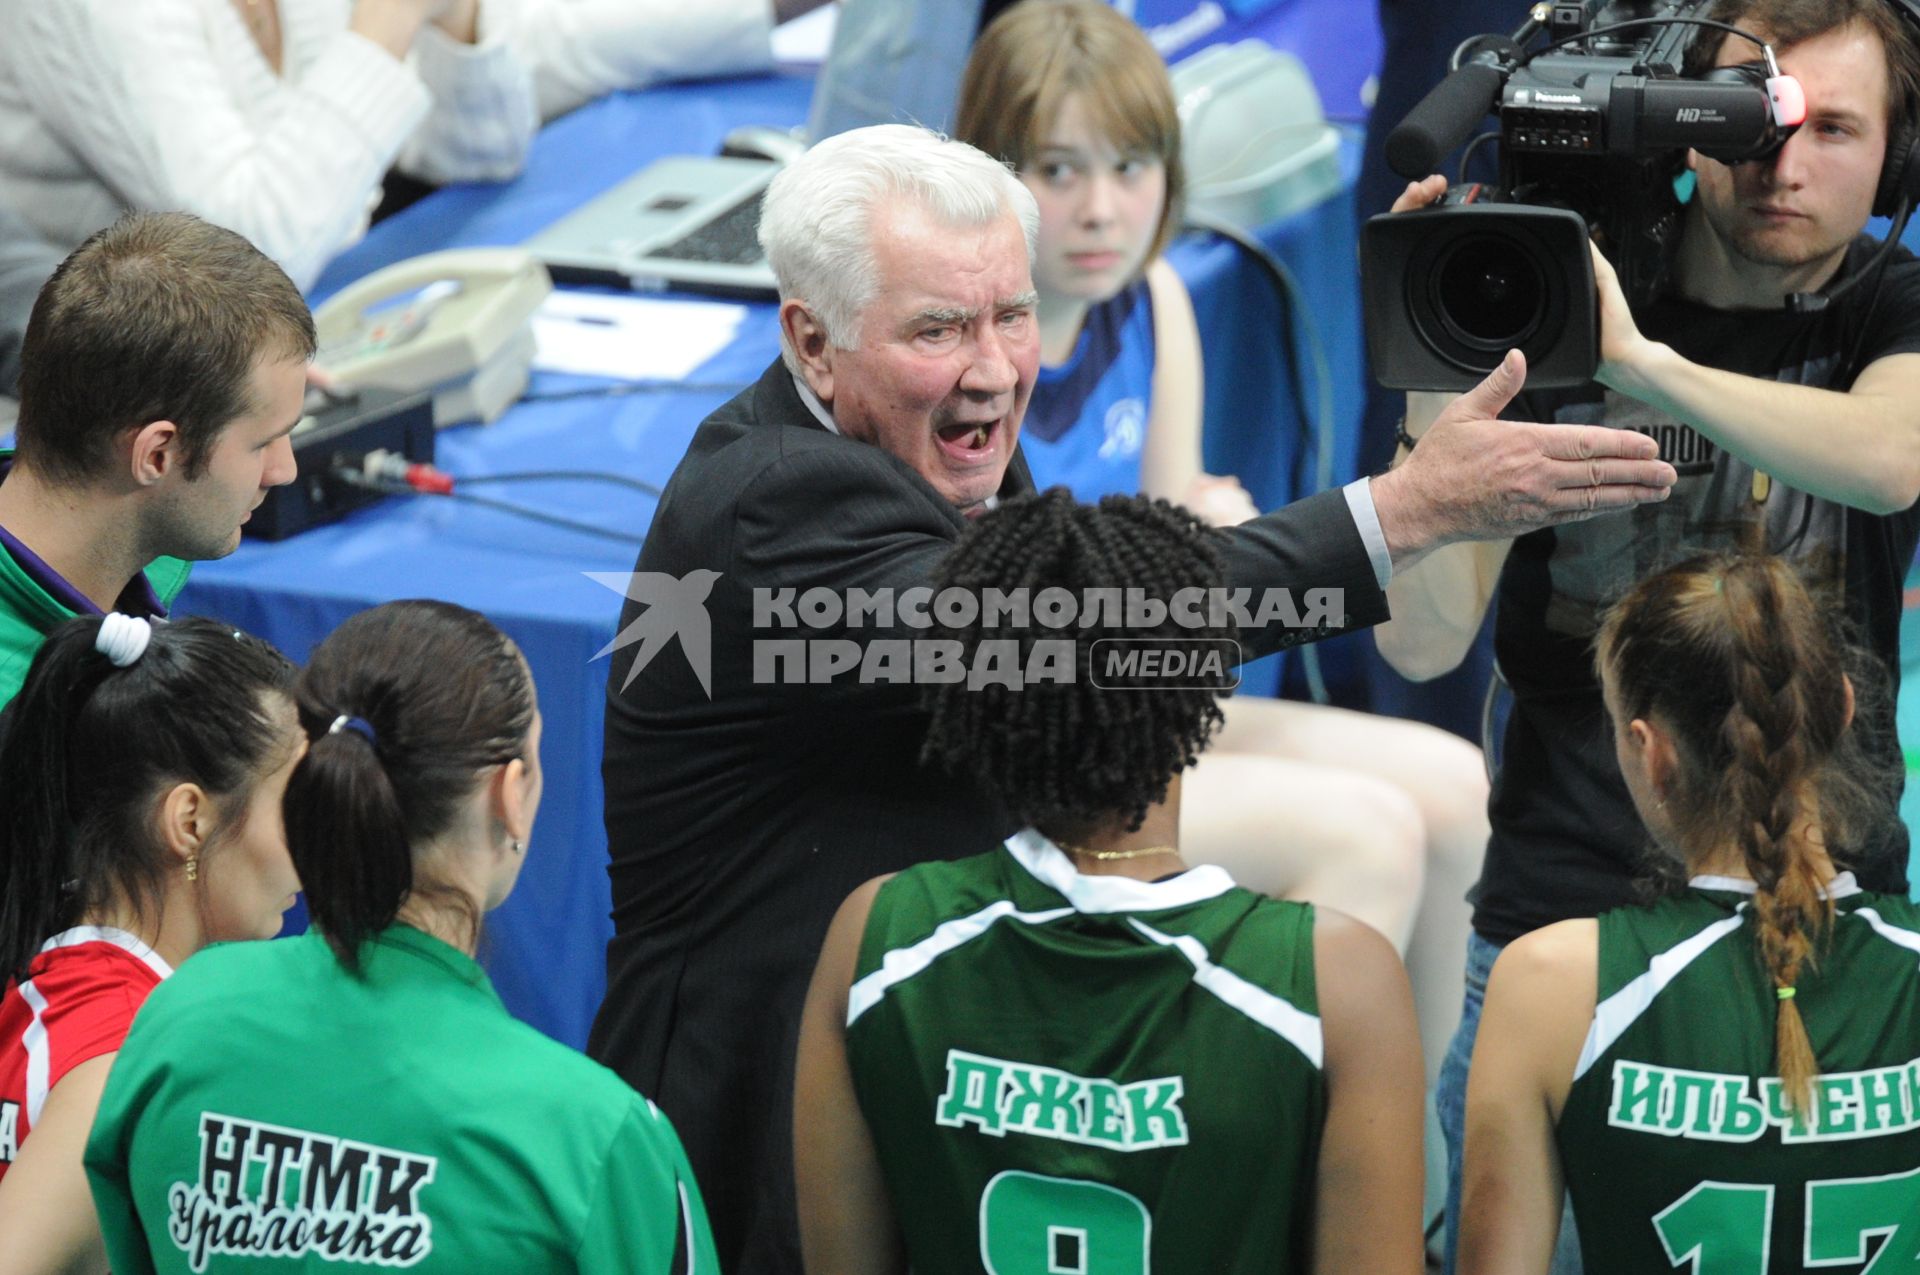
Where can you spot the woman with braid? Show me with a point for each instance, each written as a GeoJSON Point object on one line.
{"type": "Point", "coordinates": [1730, 1076]}
{"type": "Point", "coordinates": [1073, 1052]}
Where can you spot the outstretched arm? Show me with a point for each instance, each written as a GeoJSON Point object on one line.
{"type": "Point", "coordinates": [1475, 477]}
{"type": "Point", "coordinates": [1368, 1197]}
{"type": "Point", "coordinates": [1860, 447]}
{"type": "Point", "coordinates": [846, 1218]}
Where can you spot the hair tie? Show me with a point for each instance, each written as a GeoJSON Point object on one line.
{"type": "Point", "coordinates": [358, 725]}
{"type": "Point", "coordinates": [122, 638]}
{"type": "Point", "coordinates": [1784, 993]}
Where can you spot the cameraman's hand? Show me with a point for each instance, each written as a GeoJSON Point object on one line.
{"type": "Point", "coordinates": [1474, 477]}
{"type": "Point", "coordinates": [1622, 348]}
{"type": "Point", "coordinates": [1427, 190]}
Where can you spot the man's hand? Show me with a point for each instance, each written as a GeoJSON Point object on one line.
{"type": "Point", "coordinates": [1477, 478]}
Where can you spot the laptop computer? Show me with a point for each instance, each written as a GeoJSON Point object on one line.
{"type": "Point", "coordinates": [692, 222]}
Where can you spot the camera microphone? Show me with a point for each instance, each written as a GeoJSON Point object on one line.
{"type": "Point", "coordinates": [1443, 119]}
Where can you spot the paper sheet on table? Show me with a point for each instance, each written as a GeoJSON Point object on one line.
{"type": "Point", "coordinates": [807, 38]}
{"type": "Point", "coordinates": [632, 338]}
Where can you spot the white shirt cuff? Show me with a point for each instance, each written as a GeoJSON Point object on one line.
{"type": "Point", "coordinates": [1366, 519]}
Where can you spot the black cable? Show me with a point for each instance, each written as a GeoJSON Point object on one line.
{"type": "Point", "coordinates": [1466, 156]}
{"type": "Point", "coordinates": [1613, 28]}
{"type": "Point", "coordinates": [567, 524]}
{"type": "Point", "coordinates": [1280, 279]}
{"type": "Point", "coordinates": [1850, 367]}
{"type": "Point", "coordinates": [500, 506]}
{"type": "Point", "coordinates": [1490, 748]}
{"type": "Point", "coordinates": [563, 475]}
{"type": "Point", "coordinates": [1317, 426]}
{"type": "Point", "coordinates": [621, 389]}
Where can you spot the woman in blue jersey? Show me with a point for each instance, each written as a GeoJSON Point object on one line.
{"type": "Point", "coordinates": [1727, 1076]}
{"type": "Point", "coordinates": [1075, 98]}
{"type": "Point", "coordinates": [1074, 1052]}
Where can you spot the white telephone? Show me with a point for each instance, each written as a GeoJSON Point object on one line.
{"type": "Point", "coordinates": [455, 322]}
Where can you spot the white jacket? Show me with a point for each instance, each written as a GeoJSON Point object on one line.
{"type": "Point", "coordinates": [107, 105]}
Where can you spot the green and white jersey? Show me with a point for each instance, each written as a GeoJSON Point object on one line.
{"type": "Point", "coordinates": [270, 1112]}
{"type": "Point", "coordinates": [1680, 1150]}
{"type": "Point", "coordinates": [1089, 1074]}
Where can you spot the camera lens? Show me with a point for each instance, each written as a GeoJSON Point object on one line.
{"type": "Point", "coordinates": [1488, 292]}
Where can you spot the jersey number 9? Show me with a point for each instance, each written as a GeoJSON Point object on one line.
{"type": "Point", "coordinates": [1034, 1225]}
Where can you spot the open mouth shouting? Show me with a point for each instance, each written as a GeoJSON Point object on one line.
{"type": "Point", "coordinates": [970, 442]}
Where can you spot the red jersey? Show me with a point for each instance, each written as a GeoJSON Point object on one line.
{"type": "Point", "coordinates": [81, 994]}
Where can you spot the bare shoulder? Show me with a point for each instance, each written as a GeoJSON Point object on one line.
{"type": "Point", "coordinates": [1564, 955]}
{"type": "Point", "coordinates": [842, 947]}
{"type": "Point", "coordinates": [1366, 1003]}
{"type": "Point", "coordinates": [1540, 1005]}
{"type": "Point", "coordinates": [1348, 952]}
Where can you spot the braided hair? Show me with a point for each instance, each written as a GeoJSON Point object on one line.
{"type": "Point", "coordinates": [1072, 756]}
{"type": "Point", "coordinates": [1750, 673]}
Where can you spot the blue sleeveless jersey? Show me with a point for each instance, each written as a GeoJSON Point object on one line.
{"type": "Point", "coordinates": [1087, 421]}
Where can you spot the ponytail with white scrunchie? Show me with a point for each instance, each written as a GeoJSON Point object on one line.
{"type": "Point", "coordinates": [123, 638]}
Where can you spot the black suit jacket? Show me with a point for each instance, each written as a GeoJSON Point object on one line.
{"type": "Point", "coordinates": [737, 824]}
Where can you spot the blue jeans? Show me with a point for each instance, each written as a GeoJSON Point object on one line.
{"type": "Point", "coordinates": [1450, 1100]}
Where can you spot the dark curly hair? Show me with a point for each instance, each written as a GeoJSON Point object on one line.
{"type": "Point", "coordinates": [1068, 756]}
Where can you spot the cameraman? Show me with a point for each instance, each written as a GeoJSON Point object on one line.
{"type": "Point", "coordinates": [1794, 433]}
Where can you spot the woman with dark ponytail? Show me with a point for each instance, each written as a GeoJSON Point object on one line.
{"type": "Point", "coordinates": [140, 786]}
{"type": "Point", "coordinates": [429, 1129]}
{"type": "Point", "coordinates": [1730, 1075]}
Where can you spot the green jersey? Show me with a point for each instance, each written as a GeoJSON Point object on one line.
{"type": "Point", "coordinates": [1678, 1146]}
{"type": "Point", "coordinates": [1089, 1073]}
{"type": "Point", "coordinates": [271, 1111]}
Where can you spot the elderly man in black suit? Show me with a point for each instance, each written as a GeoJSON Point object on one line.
{"type": "Point", "coordinates": [741, 810]}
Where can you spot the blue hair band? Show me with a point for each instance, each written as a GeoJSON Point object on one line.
{"type": "Point", "coordinates": [358, 725]}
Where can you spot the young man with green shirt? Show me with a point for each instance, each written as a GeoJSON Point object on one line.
{"type": "Point", "coordinates": [163, 369]}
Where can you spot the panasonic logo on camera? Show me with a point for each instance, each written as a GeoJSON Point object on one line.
{"type": "Point", "coordinates": [1558, 99]}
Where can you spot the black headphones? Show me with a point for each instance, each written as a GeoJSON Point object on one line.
{"type": "Point", "coordinates": [1900, 172]}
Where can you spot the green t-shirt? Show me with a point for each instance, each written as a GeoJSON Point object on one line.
{"type": "Point", "coordinates": [28, 612]}
{"type": "Point", "coordinates": [1089, 1073]}
{"type": "Point", "coordinates": [1675, 1139]}
{"type": "Point", "coordinates": [270, 1111]}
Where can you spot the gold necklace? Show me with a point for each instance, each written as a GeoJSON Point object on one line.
{"type": "Point", "coordinates": [1114, 856]}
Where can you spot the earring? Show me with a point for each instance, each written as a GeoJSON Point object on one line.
{"type": "Point", "coordinates": [193, 867]}
{"type": "Point", "coordinates": [516, 845]}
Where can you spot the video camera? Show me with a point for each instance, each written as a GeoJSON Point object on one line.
{"type": "Point", "coordinates": [1594, 128]}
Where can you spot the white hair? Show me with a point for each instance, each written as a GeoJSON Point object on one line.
{"type": "Point", "coordinates": [817, 224]}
